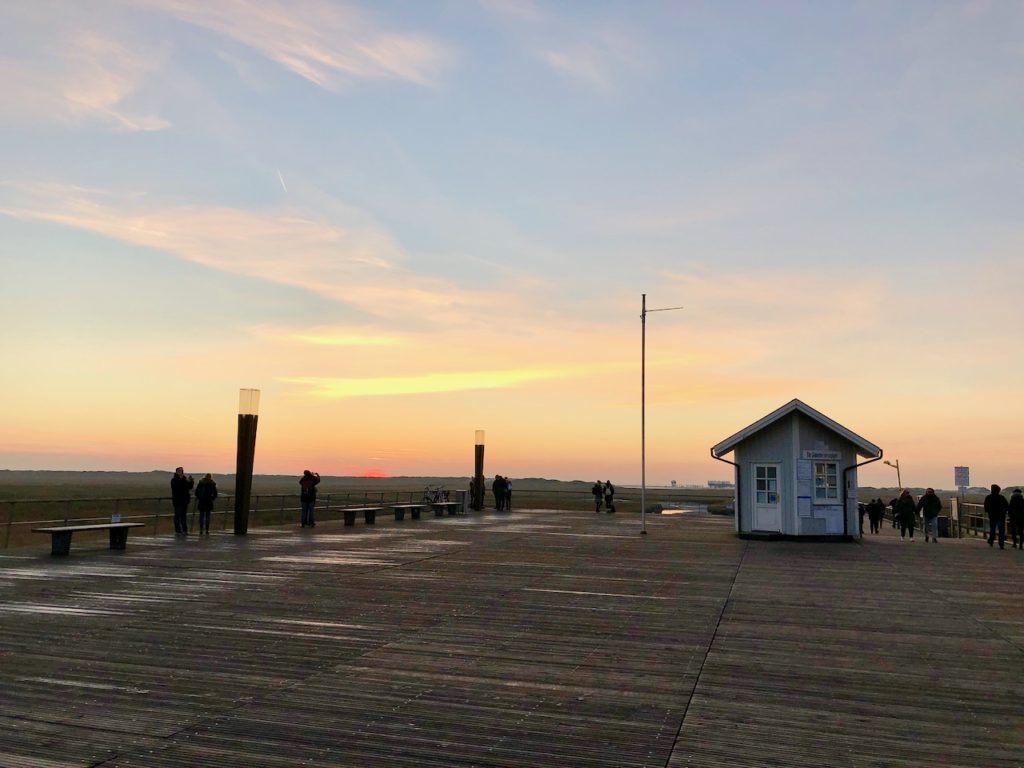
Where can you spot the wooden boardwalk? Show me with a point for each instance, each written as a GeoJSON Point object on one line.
{"type": "Point", "coordinates": [529, 639]}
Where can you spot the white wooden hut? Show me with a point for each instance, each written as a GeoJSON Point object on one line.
{"type": "Point", "coordinates": [796, 474]}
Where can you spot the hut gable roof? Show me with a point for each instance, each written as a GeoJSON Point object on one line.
{"type": "Point", "coordinates": [864, 447]}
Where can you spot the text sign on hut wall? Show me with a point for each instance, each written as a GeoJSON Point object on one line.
{"type": "Point", "coordinates": [823, 455]}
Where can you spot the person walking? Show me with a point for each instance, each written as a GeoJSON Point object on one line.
{"type": "Point", "coordinates": [930, 505]}
{"type": "Point", "coordinates": [892, 506]}
{"type": "Point", "coordinates": [206, 492]}
{"type": "Point", "coordinates": [1016, 508]}
{"type": "Point", "coordinates": [307, 497]}
{"type": "Point", "coordinates": [906, 512]}
{"type": "Point", "coordinates": [181, 495]}
{"type": "Point", "coordinates": [598, 490]}
{"type": "Point", "coordinates": [996, 506]}
{"type": "Point", "coordinates": [875, 509]}
{"type": "Point", "coordinates": [609, 496]}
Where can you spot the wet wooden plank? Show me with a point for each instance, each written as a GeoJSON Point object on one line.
{"type": "Point", "coordinates": [526, 639]}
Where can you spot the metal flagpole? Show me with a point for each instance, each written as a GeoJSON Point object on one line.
{"type": "Point", "coordinates": [643, 407]}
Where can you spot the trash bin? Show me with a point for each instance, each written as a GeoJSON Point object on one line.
{"type": "Point", "coordinates": [945, 527]}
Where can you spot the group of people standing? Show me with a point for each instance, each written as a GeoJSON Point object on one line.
{"type": "Point", "coordinates": [181, 496]}
{"type": "Point", "coordinates": [501, 487]}
{"type": "Point", "coordinates": [998, 507]}
{"type": "Point", "coordinates": [603, 493]}
{"type": "Point", "coordinates": [905, 514]}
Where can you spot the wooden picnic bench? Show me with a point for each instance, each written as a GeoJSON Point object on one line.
{"type": "Point", "coordinates": [61, 542]}
{"type": "Point", "coordinates": [441, 506]}
{"type": "Point", "coordinates": [414, 509]}
{"type": "Point", "coordinates": [369, 514]}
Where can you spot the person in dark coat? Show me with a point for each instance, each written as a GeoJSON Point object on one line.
{"type": "Point", "coordinates": [206, 492]}
{"type": "Point", "coordinates": [498, 489]}
{"type": "Point", "coordinates": [307, 497]}
{"type": "Point", "coordinates": [996, 506]}
{"type": "Point", "coordinates": [930, 505]}
{"type": "Point", "coordinates": [508, 494]}
{"type": "Point", "coordinates": [598, 490]}
{"type": "Point", "coordinates": [181, 495]}
{"type": "Point", "coordinates": [609, 496]}
{"type": "Point", "coordinates": [906, 512]}
{"type": "Point", "coordinates": [892, 506]}
{"type": "Point", "coordinates": [1016, 508]}
{"type": "Point", "coordinates": [875, 509]}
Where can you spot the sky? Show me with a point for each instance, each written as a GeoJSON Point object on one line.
{"type": "Point", "coordinates": [406, 221]}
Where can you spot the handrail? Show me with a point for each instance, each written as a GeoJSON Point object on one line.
{"type": "Point", "coordinates": [265, 508]}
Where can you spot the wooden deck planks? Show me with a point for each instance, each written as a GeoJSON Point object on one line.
{"type": "Point", "coordinates": [524, 639]}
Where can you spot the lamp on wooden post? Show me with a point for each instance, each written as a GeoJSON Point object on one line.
{"type": "Point", "coordinates": [478, 472]}
{"type": "Point", "coordinates": [248, 415]}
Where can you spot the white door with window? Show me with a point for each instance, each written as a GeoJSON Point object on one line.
{"type": "Point", "coordinates": [767, 505]}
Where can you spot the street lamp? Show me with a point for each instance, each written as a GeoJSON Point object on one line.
{"type": "Point", "coordinates": [895, 466]}
{"type": "Point", "coordinates": [643, 407]}
{"type": "Point", "coordinates": [248, 416]}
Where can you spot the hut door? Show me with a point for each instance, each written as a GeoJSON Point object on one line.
{"type": "Point", "coordinates": [767, 508]}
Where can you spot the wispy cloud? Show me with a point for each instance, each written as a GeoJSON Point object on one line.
{"type": "Point", "coordinates": [92, 80]}
{"type": "Point", "coordinates": [327, 43]}
{"type": "Point", "coordinates": [432, 383]}
{"type": "Point", "coordinates": [342, 255]}
{"type": "Point", "coordinates": [322, 336]}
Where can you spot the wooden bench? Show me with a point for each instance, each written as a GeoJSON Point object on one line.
{"type": "Point", "coordinates": [369, 514]}
{"type": "Point", "coordinates": [61, 542]}
{"type": "Point", "coordinates": [414, 509]}
{"type": "Point", "coordinates": [440, 507]}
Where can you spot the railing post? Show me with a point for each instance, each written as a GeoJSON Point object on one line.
{"type": "Point", "coordinates": [156, 518]}
{"type": "Point", "coordinates": [282, 509]}
{"type": "Point", "coordinates": [67, 509]}
{"type": "Point", "coordinates": [10, 520]}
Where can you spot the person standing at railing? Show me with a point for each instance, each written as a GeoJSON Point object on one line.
{"type": "Point", "coordinates": [206, 492]}
{"type": "Point", "coordinates": [307, 497]}
{"type": "Point", "coordinates": [1017, 518]}
{"type": "Point", "coordinates": [995, 507]}
{"type": "Point", "coordinates": [181, 495]}
{"type": "Point", "coordinates": [892, 506]}
{"type": "Point", "coordinates": [930, 505]}
{"type": "Point", "coordinates": [598, 490]}
{"type": "Point", "coordinates": [906, 511]}
{"type": "Point", "coordinates": [508, 495]}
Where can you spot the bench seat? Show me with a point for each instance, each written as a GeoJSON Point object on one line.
{"type": "Point", "coordinates": [369, 514]}
{"type": "Point", "coordinates": [61, 542]}
{"type": "Point", "coordinates": [452, 507]}
{"type": "Point", "coordinates": [414, 510]}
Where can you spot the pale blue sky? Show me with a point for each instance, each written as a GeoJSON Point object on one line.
{"type": "Point", "coordinates": [831, 188]}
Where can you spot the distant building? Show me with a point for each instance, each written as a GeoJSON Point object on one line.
{"type": "Point", "coordinates": [721, 484]}
{"type": "Point", "coordinates": [796, 474]}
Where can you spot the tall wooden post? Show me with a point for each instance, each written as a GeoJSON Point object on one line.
{"type": "Point", "coordinates": [477, 501]}
{"type": "Point", "coordinates": [248, 416]}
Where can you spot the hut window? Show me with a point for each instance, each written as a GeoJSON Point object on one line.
{"type": "Point", "coordinates": [767, 484]}
{"type": "Point", "coordinates": [826, 481]}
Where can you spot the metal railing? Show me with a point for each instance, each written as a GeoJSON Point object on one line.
{"type": "Point", "coordinates": [271, 508]}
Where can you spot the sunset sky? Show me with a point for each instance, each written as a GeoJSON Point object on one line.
{"type": "Point", "coordinates": [404, 221]}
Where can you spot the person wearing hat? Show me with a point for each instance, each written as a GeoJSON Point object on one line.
{"type": "Point", "coordinates": [181, 495]}
{"type": "Point", "coordinates": [307, 496]}
{"type": "Point", "coordinates": [1016, 507]}
{"type": "Point", "coordinates": [995, 507]}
